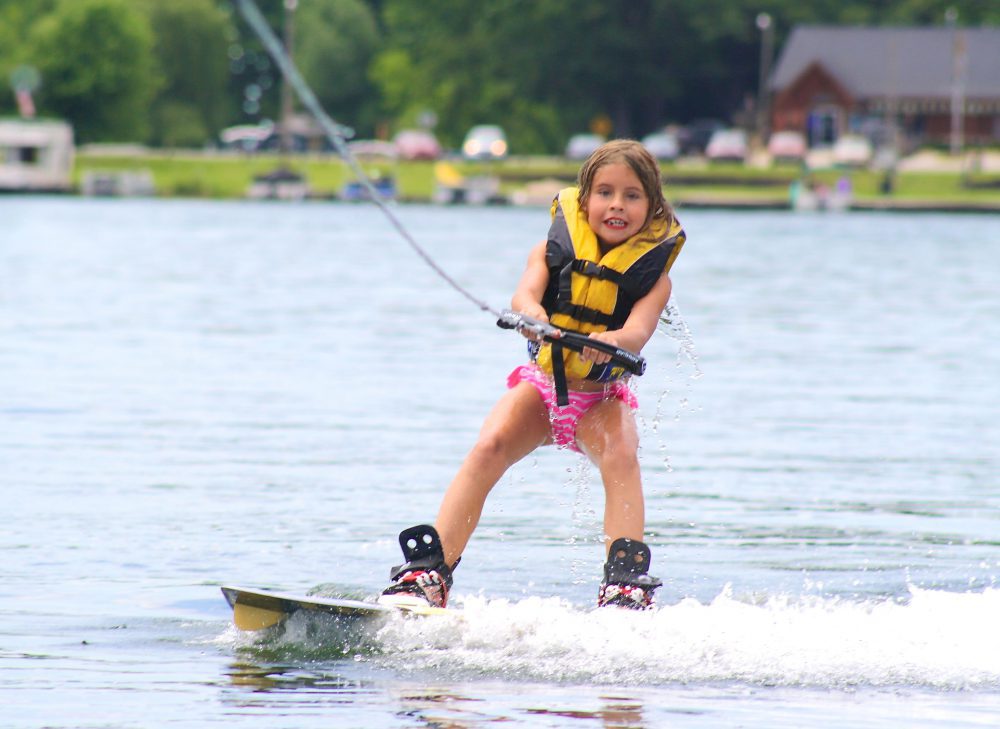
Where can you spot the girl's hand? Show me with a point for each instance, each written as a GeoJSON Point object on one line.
{"type": "Point", "coordinates": [595, 355]}
{"type": "Point", "coordinates": [639, 326]}
{"type": "Point", "coordinates": [535, 311]}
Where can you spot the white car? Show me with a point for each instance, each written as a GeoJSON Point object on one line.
{"type": "Point", "coordinates": [662, 145]}
{"type": "Point", "coordinates": [727, 145]}
{"type": "Point", "coordinates": [486, 141]}
{"type": "Point", "coordinates": [787, 146]}
{"type": "Point", "coordinates": [417, 144]}
{"type": "Point", "coordinates": [581, 146]}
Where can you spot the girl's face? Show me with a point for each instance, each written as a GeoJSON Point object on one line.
{"type": "Point", "coordinates": [617, 205]}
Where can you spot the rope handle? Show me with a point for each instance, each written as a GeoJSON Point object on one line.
{"type": "Point", "coordinates": [634, 363]}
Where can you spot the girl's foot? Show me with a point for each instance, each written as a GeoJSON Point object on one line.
{"type": "Point", "coordinates": [425, 575]}
{"type": "Point", "coordinates": [627, 582]}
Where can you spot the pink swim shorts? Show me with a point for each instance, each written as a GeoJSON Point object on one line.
{"type": "Point", "coordinates": [564, 420]}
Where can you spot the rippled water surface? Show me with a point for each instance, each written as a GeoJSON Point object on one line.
{"type": "Point", "coordinates": [203, 393]}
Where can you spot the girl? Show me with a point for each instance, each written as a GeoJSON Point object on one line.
{"type": "Point", "coordinates": [602, 271]}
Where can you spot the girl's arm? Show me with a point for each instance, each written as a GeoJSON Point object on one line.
{"type": "Point", "coordinates": [639, 326]}
{"type": "Point", "coordinates": [527, 298]}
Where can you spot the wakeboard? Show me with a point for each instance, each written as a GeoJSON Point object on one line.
{"type": "Point", "coordinates": [259, 609]}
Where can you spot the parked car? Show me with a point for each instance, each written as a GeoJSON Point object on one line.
{"type": "Point", "coordinates": [727, 145]}
{"type": "Point", "coordinates": [787, 146]}
{"type": "Point", "coordinates": [662, 145]}
{"type": "Point", "coordinates": [581, 146]}
{"type": "Point", "coordinates": [852, 150]}
{"type": "Point", "coordinates": [485, 141]}
{"type": "Point", "coordinates": [416, 144]}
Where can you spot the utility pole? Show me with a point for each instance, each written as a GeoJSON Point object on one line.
{"type": "Point", "coordinates": [286, 88]}
{"type": "Point", "coordinates": [891, 121]}
{"type": "Point", "coordinates": [766, 28]}
{"type": "Point", "coordinates": [957, 81]}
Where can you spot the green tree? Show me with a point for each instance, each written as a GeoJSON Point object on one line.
{"type": "Point", "coordinates": [254, 81]}
{"type": "Point", "coordinates": [96, 61]}
{"type": "Point", "coordinates": [191, 40]}
{"type": "Point", "coordinates": [450, 57]}
{"type": "Point", "coordinates": [16, 20]}
{"type": "Point", "coordinates": [545, 70]}
{"type": "Point", "coordinates": [334, 42]}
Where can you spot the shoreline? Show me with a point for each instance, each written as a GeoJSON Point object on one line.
{"type": "Point", "coordinates": [864, 205]}
{"type": "Point", "coordinates": [520, 181]}
{"type": "Point", "coordinates": [681, 202]}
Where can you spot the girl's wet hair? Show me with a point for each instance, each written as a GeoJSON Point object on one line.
{"type": "Point", "coordinates": [638, 158]}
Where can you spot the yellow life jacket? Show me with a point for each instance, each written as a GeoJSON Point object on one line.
{"type": "Point", "coordinates": [590, 292]}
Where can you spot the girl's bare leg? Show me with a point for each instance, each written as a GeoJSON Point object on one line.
{"type": "Point", "coordinates": [517, 425]}
{"type": "Point", "coordinates": [608, 435]}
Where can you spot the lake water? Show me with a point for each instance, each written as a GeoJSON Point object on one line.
{"type": "Point", "coordinates": [203, 393]}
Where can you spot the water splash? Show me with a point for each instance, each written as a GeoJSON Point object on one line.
{"type": "Point", "coordinates": [687, 371]}
{"type": "Point", "coordinates": [588, 525]}
{"type": "Point", "coordinates": [933, 639]}
{"type": "Point", "coordinates": [673, 325]}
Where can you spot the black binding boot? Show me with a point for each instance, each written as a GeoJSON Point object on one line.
{"type": "Point", "coordinates": [425, 575]}
{"type": "Point", "coordinates": [626, 579]}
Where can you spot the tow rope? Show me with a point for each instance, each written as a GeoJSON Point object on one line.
{"type": "Point", "coordinates": [338, 135]}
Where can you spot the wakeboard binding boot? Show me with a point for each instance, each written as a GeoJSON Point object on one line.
{"type": "Point", "coordinates": [425, 577]}
{"type": "Point", "coordinates": [627, 582]}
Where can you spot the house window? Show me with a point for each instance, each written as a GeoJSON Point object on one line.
{"type": "Point", "coordinates": [27, 155]}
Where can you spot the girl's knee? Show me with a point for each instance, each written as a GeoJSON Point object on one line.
{"type": "Point", "coordinates": [612, 448]}
{"type": "Point", "coordinates": [489, 445]}
{"type": "Point", "coordinates": [494, 447]}
{"type": "Point", "coordinates": [619, 459]}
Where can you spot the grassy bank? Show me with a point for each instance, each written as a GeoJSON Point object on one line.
{"type": "Point", "coordinates": [230, 176]}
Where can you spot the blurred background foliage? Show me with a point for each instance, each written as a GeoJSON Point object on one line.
{"type": "Point", "coordinates": [173, 73]}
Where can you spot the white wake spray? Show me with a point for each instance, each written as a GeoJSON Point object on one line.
{"type": "Point", "coordinates": [934, 639]}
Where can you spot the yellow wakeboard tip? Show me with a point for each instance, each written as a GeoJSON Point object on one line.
{"type": "Point", "coordinates": [248, 617]}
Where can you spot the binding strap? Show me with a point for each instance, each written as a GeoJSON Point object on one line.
{"type": "Point", "coordinates": [422, 550]}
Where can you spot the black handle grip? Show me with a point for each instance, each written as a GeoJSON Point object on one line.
{"type": "Point", "coordinates": [576, 341]}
